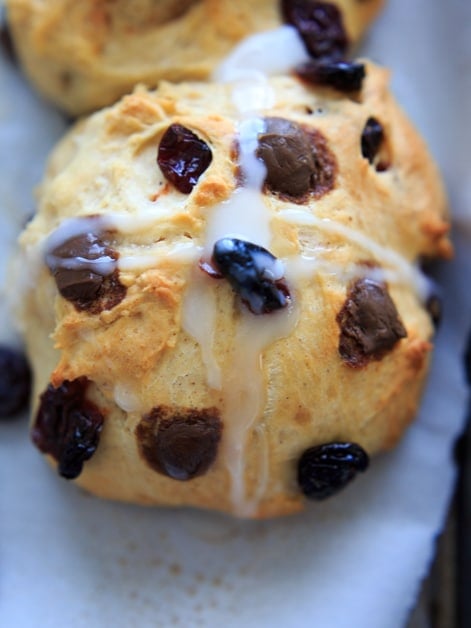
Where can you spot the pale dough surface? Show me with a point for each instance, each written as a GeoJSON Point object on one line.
{"type": "Point", "coordinates": [106, 165]}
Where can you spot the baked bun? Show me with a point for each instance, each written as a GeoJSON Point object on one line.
{"type": "Point", "coordinates": [84, 55]}
{"type": "Point", "coordinates": [208, 331]}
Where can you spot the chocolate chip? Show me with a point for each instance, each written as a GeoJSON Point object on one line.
{"type": "Point", "coordinates": [183, 157]}
{"type": "Point", "coordinates": [15, 382]}
{"type": "Point", "coordinates": [371, 139]}
{"type": "Point", "coordinates": [369, 324]}
{"type": "Point", "coordinates": [297, 159]}
{"type": "Point", "coordinates": [84, 269]}
{"type": "Point", "coordinates": [68, 426]}
{"type": "Point", "coordinates": [320, 26]}
{"type": "Point", "coordinates": [326, 469]}
{"type": "Point", "coordinates": [78, 285]}
{"type": "Point", "coordinates": [181, 443]}
{"type": "Point", "coordinates": [254, 274]}
{"type": "Point", "coordinates": [344, 76]}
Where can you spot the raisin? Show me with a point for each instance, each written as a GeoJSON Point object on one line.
{"type": "Point", "coordinates": [297, 159]}
{"type": "Point", "coordinates": [15, 382]}
{"type": "Point", "coordinates": [183, 157]}
{"type": "Point", "coordinates": [181, 443]}
{"type": "Point", "coordinates": [84, 269]}
{"type": "Point", "coordinates": [254, 274]}
{"type": "Point", "coordinates": [326, 469]}
{"type": "Point", "coordinates": [320, 25]}
{"type": "Point", "coordinates": [369, 324]}
{"type": "Point", "coordinates": [68, 426]}
{"type": "Point", "coordinates": [371, 139]}
{"type": "Point", "coordinates": [344, 76]}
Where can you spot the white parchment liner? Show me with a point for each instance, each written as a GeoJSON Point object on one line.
{"type": "Point", "coordinates": [355, 561]}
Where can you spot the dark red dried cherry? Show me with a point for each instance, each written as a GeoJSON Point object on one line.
{"type": "Point", "coordinates": [183, 157]}
{"type": "Point", "coordinates": [344, 76]}
{"type": "Point", "coordinates": [15, 382]}
{"type": "Point", "coordinates": [326, 469]}
{"type": "Point", "coordinates": [254, 274]}
{"type": "Point", "coordinates": [320, 25]}
{"type": "Point", "coordinates": [67, 426]}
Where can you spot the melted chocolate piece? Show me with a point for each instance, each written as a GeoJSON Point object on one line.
{"type": "Point", "coordinates": [254, 274]}
{"type": "Point", "coordinates": [344, 76]}
{"type": "Point", "coordinates": [369, 324]}
{"type": "Point", "coordinates": [68, 426]}
{"type": "Point", "coordinates": [320, 26]}
{"type": "Point", "coordinates": [183, 157]}
{"type": "Point", "coordinates": [181, 443]}
{"type": "Point", "coordinates": [371, 139]}
{"type": "Point", "coordinates": [15, 382]}
{"type": "Point", "coordinates": [297, 159]}
{"type": "Point", "coordinates": [84, 269]}
{"type": "Point", "coordinates": [326, 469]}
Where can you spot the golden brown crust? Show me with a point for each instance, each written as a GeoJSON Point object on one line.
{"type": "Point", "coordinates": [84, 55]}
{"type": "Point", "coordinates": [138, 355]}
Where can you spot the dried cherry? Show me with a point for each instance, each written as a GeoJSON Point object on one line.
{"type": "Point", "coordinates": [320, 25]}
{"type": "Point", "coordinates": [326, 469]}
{"type": "Point", "coordinates": [254, 274]}
{"type": "Point", "coordinates": [183, 157]}
{"type": "Point", "coordinates": [68, 426]}
{"type": "Point", "coordinates": [344, 76]}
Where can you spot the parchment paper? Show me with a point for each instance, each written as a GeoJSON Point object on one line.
{"type": "Point", "coordinates": [356, 561]}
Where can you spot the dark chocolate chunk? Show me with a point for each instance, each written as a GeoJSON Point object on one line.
{"type": "Point", "coordinates": [68, 426]}
{"type": "Point", "coordinates": [254, 274]}
{"type": "Point", "coordinates": [371, 139]}
{"type": "Point", "coordinates": [297, 159]}
{"type": "Point", "coordinates": [326, 469]}
{"type": "Point", "coordinates": [15, 382]}
{"type": "Point", "coordinates": [369, 324]}
{"type": "Point", "coordinates": [320, 26]}
{"type": "Point", "coordinates": [84, 269]}
{"type": "Point", "coordinates": [79, 285]}
{"type": "Point", "coordinates": [183, 157]}
{"type": "Point", "coordinates": [181, 443]}
{"type": "Point", "coordinates": [344, 76]}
